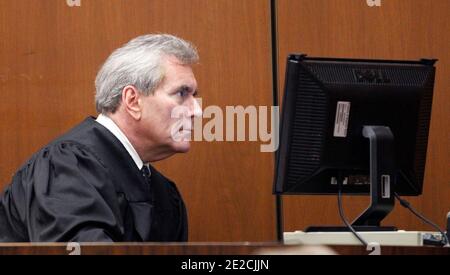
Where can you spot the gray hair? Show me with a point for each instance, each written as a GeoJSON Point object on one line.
{"type": "Point", "coordinates": [138, 63]}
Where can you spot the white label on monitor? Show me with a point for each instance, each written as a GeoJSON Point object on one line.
{"type": "Point", "coordinates": [341, 120]}
{"type": "Point", "coordinates": [385, 186]}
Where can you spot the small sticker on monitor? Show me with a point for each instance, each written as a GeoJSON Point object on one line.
{"type": "Point", "coordinates": [341, 120]}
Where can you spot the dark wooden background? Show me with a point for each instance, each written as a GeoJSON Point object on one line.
{"type": "Point", "coordinates": [50, 53]}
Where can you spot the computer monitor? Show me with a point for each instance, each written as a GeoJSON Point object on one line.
{"type": "Point", "coordinates": [355, 125]}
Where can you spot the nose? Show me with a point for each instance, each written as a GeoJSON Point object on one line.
{"type": "Point", "coordinates": [195, 107]}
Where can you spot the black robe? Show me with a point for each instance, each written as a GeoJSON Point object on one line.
{"type": "Point", "coordinates": [85, 187]}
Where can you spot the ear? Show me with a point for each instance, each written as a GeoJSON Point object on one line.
{"type": "Point", "coordinates": [131, 101]}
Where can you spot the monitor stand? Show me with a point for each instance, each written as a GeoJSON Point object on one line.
{"type": "Point", "coordinates": [382, 176]}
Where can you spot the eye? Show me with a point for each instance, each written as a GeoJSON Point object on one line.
{"type": "Point", "coordinates": [183, 93]}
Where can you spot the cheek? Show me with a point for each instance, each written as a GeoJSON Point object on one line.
{"type": "Point", "coordinates": [160, 118]}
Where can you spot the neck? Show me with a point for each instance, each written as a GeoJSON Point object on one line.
{"type": "Point", "coordinates": [147, 150]}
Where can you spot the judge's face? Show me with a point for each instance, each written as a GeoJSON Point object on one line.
{"type": "Point", "coordinates": [167, 114]}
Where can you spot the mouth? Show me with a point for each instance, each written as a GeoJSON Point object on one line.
{"type": "Point", "coordinates": [183, 129]}
{"type": "Point", "coordinates": [185, 134]}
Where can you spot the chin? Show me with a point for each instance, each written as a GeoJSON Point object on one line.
{"type": "Point", "coordinates": [182, 147]}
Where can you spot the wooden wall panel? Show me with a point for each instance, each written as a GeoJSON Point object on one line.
{"type": "Point", "coordinates": [50, 53]}
{"type": "Point", "coordinates": [399, 29]}
{"type": "Point", "coordinates": [49, 56]}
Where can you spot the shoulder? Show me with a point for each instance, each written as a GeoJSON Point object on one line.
{"type": "Point", "coordinates": [59, 167]}
{"type": "Point", "coordinates": [60, 152]}
{"type": "Point", "coordinates": [63, 175]}
{"type": "Point", "coordinates": [71, 145]}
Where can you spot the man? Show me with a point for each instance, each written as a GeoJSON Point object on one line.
{"type": "Point", "coordinates": [95, 183]}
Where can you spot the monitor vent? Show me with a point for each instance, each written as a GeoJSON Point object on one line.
{"type": "Point", "coordinates": [422, 131]}
{"type": "Point", "coordinates": [369, 74]}
{"type": "Point", "coordinates": [311, 102]}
